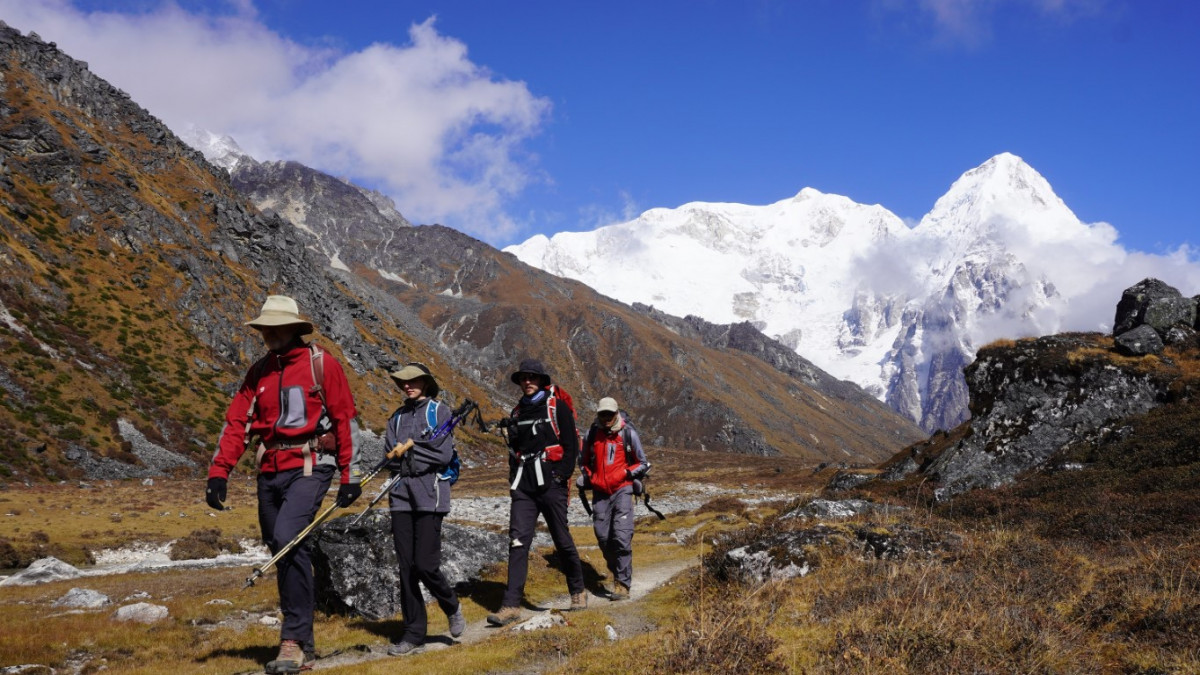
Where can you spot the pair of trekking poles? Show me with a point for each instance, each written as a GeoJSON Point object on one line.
{"type": "Point", "coordinates": [447, 427]}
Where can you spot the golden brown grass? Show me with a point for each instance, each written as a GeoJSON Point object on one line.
{"type": "Point", "coordinates": [1014, 597]}
{"type": "Point", "coordinates": [110, 514]}
{"type": "Point", "coordinates": [191, 641]}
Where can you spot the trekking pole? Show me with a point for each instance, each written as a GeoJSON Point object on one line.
{"type": "Point", "coordinates": [260, 571]}
{"type": "Point", "coordinates": [396, 452]}
{"type": "Point", "coordinates": [444, 428]}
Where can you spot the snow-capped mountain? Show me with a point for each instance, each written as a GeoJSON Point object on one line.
{"type": "Point", "coordinates": [897, 310]}
{"type": "Point", "coordinates": [218, 149]}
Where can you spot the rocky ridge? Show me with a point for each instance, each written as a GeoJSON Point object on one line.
{"type": "Point", "coordinates": [1033, 398]}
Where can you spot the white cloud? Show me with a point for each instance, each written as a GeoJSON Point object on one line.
{"type": "Point", "coordinates": [419, 120]}
{"type": "Point", "coordinates": [969, 22]}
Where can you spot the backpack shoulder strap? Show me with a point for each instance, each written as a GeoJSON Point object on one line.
{"type": "Point", "coordinates": [256, 373]}
{"type": "Point", "coordinates": [317, 365]}
{"type": "Point", "coordinates": [552, 409]}
{"type": "Point", "coordinates": [431, 415]}
{"type": "Point", "coordinates": [630, 455]}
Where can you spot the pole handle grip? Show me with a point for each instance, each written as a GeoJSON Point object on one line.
{"type": "Point", "coordinates": [401, 448]}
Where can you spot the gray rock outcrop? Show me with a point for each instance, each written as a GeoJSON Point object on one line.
{"type": "Point", "coordinates": [42, 571]}
{"type": "Point", "coordinates": [1033, 398]}
{"type": "Point", "coordinates": [795, 553]}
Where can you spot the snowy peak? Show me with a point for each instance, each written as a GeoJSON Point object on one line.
{"type": "Point", "coordinates": [1003, 187]}
{"type": "Point", "coordinates": [218, 149]}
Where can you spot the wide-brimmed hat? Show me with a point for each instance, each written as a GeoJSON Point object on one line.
{"type": "Point", "coordinates": [413, 371]}
{"type": "Point", "coordinates": [533, 367]}
{"type": "Point", "coordinates": [607, 404]}
{"type": "Point", "coordinates": [280, 310]}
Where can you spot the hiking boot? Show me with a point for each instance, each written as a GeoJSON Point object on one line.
{"type": "Point", "coordinates": [578, 601]}
{"type": "Point", "coordinates": [290, 659]}
{"type": "Point", "coordinates": [401, 648]}
{"type": "Point", "coordinates": [505, 616]}
{"type": "Point", "coordinates": [619, 592]}
{"type": "Point", "coordinates": [458, 622]}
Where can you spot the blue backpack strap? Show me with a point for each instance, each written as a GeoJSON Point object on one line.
{"type": "Point", "coordinates": [431, 416]}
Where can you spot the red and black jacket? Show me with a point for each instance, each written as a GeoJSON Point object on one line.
{"type": "Point", "coordinates": [612, 457]}
{"type": "Point", "coordinates": [280, 402]}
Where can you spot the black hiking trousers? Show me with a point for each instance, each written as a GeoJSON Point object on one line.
{"type": "Point", "coordinates": [418, 539]}
{"type": "Point", "coordinates": [287, 503]}
{"type": "Point", "coordinates": [551, 503]}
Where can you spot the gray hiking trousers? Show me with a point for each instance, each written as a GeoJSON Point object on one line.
{"type": "Point", "coordinates": [612, 520]}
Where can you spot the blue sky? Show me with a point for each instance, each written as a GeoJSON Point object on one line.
{"type": "Point", "coordinates": [546, 116]}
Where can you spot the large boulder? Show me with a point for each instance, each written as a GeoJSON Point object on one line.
{"type": "Point", "coordinates": [141, 612]}
{"type": "Point", "coordinates": [82, 598]}
{"type": "Point", "coordinates": [1155, 303]}
{"type": "Point", "coordinates": [1140, 341]}
{"type": "Point", "coordinates": [356, 570]}
{"type": "Point", "coordinates": [41, 571]}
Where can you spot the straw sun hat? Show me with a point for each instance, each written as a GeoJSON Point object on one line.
{"type": "Point", "coordinates": [280, 310]}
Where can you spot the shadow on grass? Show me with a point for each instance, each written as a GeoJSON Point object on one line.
{"type": "Point", "coordinates": [592, 578]}
{"type": "Point", "coordinates": [261, 654]}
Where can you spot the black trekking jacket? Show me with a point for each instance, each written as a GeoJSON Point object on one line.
{"type": "Point", "coordinates": [530, 441]}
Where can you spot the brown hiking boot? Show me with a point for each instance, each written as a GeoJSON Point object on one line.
{"type": "Point", "coordinates": [290, 659]}
{"type": "Point", "coordinates": [619, 592]}
{"type": "Point", "coordinates": [578, 601]}
{"type": "Point", "coordinates": [505, 616]}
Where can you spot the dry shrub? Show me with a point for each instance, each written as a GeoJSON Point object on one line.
{"type": "Point", "coordinates": [204, 543]}
{"type": "Point", "coordinates": [724, 631]}
{"type": "Point", "coordinates": [10, 557]}
{"type": "Point", "coordinates": [724, 504]}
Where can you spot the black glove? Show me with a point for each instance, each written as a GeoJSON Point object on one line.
{"type": "Point", "coordinates": [347, 493]}
{"type": "Point", "coordinates": [214, 494]}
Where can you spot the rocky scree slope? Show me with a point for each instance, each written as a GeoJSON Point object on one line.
{"type": "Point", "coordinates": [131, 265]}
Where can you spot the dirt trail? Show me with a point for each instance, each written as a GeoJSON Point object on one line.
{"type": "Point", "coordinates": [627, 620]}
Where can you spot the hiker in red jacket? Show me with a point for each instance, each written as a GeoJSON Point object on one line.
{"type": "Point", "coordinates": [544, 446]}
{"type": "Point", "coordinates": [296, 408]}
{"type": "Point", "coordinates": [611, 461]}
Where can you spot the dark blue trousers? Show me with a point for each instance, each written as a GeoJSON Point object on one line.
{"type": "Point", "coordinates": [551, 503]}
{"type": "Point", "coordinates": [287, 503]}
{"type": "Point", "coordinates": [418, 540]}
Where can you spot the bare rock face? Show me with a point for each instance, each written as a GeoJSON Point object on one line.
{"type": "Point", "coordinates": [1033, 398]}
{"type": "Point", "coordinates": [356, 569]}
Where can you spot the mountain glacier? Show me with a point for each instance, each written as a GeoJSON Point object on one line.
{"type": "Point", "coordinates": [897, 310]}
